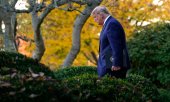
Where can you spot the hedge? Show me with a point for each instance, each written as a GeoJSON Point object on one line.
{"type": "Point", "coordinates": [149, 51]}
{"type": "Point", "coordinates": [23, 80]}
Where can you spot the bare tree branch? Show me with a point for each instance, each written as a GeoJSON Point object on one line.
{"type": "Point", "coordinates": [89, 58]}
{"type": "Point", "coordinates": [25, 38]}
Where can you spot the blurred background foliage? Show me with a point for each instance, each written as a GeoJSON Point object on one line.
{"type": "Point", "coordinates": [58, 25]}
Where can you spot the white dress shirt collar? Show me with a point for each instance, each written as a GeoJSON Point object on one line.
{"type": "Point", "coordinates": [106, 19]}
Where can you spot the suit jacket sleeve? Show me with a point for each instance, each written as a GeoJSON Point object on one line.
{"type": "Point", "coordinates": [114, 34]}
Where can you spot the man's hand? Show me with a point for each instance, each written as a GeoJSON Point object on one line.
{"type": "Point", "coordinates": [115, 68]}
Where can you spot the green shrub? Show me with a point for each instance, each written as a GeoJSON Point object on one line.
{"type": "Point", "coordinates": [30, 90]}
{"type": "Point", "coordinates": [149, 53]}
{"type": "Point", "coordinates": [144, 85]}
{"type": "Point", "coordinates": [83, 86]}
{"type": "Point", "coordinates": [74, 71]}
{"type": "Point", "coordinates": [164, 95]}
{"type": "Point", "coordinates": [24, 80]}
{"type": "Point", "coordinates": [22, 63]}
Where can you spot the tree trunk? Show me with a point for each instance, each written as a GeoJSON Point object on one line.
{"type": "Point", "coordinates": [1, 35]}
{"type": "Point", "coordinates": [9, 19]}
{"type": "Point", "coordinates": [78, 25]}
{"type": "Point", "coordinates": [9, 38]}
{"type": "Point", "coordinates": [39, 43]}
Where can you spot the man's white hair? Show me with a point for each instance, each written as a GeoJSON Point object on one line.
{"type": "Point", "coordinates": [100, 9]}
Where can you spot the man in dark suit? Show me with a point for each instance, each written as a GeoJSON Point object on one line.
{"type": "Point", "coordinates": [113, 54]}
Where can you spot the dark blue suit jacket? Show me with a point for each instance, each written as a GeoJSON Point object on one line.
{"type": "Point", "coordinates": [112, 47]}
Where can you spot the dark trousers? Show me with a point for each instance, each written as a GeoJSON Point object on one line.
{"type": "Point", "coordinates": [118, 74]}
